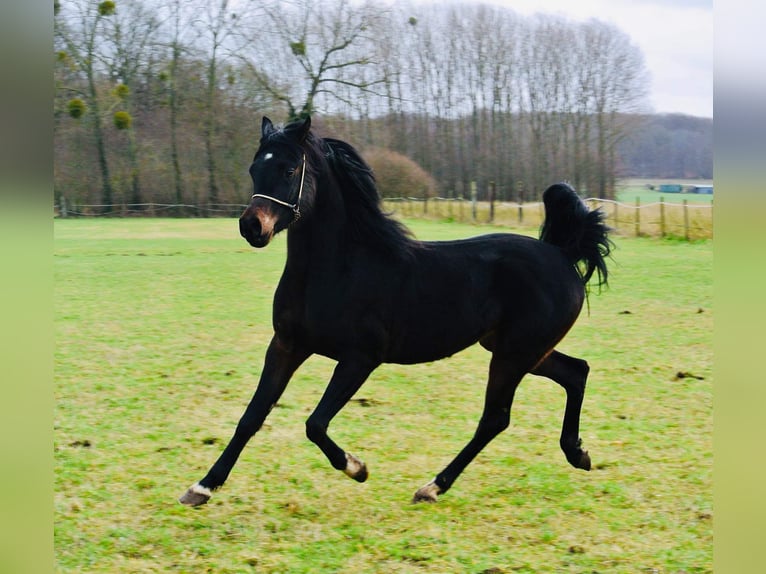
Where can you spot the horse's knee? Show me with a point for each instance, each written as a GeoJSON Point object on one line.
{"type": "Point", "coordinates": [246, 428]}
{"type": "Point", "coordinates": [495, 423]}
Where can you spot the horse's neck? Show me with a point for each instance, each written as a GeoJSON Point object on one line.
{"type": "Point", "coordinates": [319, 240]}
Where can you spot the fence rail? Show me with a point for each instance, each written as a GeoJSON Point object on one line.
{"type": "Point", "coordinates": [686, 220]}
{"type": "Point", "coordinates": [68, 209]}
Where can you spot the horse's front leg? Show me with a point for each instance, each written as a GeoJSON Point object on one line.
{"type": "Point", "coordinates": [280, 364]}
{"type": "Point", "coordinates": [346, 380]}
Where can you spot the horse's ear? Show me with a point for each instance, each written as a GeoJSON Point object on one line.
{"type": "Point", "coordinates": [266, 127]}
{"type": "Point", "coordinates": [299, 131]}
{"type": "Point", "coordinates": [305, 128]}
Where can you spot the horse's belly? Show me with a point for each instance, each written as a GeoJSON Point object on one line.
{"type": "Point", "coordinates": [422, 345]}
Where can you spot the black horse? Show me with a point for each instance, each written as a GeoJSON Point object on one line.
{"type": "Point", "coordinates": [357, 288]}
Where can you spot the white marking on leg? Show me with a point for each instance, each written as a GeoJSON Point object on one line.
{"type": "Point", "coordinates": [353, 466]}
{"type": "Point", "coordinates": [197, 488]}
{"type": "Point", "coordinates": [196, 495]}
{"type": "Point", "coordinates": [428, 492]}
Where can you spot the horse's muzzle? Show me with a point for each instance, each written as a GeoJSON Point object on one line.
{"type": "Point", "coordinates": [257, 229]}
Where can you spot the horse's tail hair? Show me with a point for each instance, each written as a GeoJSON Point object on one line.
{"type": "Point", "coordinates": [580, 232]}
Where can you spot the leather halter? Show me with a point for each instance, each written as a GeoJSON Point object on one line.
{"type": "Point", "coordinates": [296, 207]}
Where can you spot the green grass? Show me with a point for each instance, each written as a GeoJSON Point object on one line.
{"type": "Point", "coordinates": [161, 328]}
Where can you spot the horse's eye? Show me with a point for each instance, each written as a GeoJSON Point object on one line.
{"type": "Point", "coordinates": [290, 172]}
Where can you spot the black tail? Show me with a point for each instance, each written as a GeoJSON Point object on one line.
{"type": "Point", "coordinates": [578, 231]}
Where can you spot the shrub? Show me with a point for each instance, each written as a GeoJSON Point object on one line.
{"type": "Point", "coordinates": [399, 176]}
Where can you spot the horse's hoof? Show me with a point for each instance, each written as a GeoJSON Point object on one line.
{"type": "Point", "coordinates": [197, 495]}
{"type": "Point", "coordinates": [355, 468]}
{"type": "Point", "coordinates": [427, 493]}
{"type": "Point", "coordinates": [576, 456]}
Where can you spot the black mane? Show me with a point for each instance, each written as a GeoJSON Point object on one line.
{"type": "Point", "coordinates": [335, 165]}
{"type": "Point", "coordinates": [367, 222]}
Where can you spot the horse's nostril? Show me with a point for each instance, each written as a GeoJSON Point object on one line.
{"type": "Point", "coordinates": [252, 230]}
{"type": "Point", "coordinates": [249, 226]}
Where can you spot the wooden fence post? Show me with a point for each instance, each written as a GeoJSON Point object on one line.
{"type": "Point", "coordinates": [473, 199]}
{"type": "Point", "coordinates": [638, 216]}
{"type": "Point", "coordinates": [491, 201]}
{"type": "Point", "coordinates": [686, 219]}
{"type": "Point", "coordinates": [662, 217]}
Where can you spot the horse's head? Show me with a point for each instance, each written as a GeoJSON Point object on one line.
{"type": "Point", "coordinates": [279, 177]}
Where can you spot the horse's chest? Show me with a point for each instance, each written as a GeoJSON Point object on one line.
{"type": "Point", "coordinates": [330, 314]}
{"type": "Point", "coordinates": [319, 317]}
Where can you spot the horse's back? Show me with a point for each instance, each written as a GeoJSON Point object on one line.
{"type": "Point", "coordinates": [503, 264]}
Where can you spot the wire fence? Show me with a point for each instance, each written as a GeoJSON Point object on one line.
{"type": "Point", "coordinates": [65, 208]}
{"type": "Point", "coordinates": [687, 220]}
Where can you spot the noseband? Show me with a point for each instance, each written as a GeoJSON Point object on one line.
{"type": "Point", "coordinates": [296, 207]}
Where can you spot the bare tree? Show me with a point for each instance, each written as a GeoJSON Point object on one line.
{"type": "Point", "coordinates": [175, 22]}
{"type": "Point", "coordinates": [216, 24]}
{"type": "Point", "coordinates": [309, 50]}
{"type": "Point", "coordinates": [506, 100]}
{"type": "Point", "coordinates": [79, 28]}
{"type": "Point", "coordinates": [131, 37]}
{"type": "Point", "coordinates": [543, 69]}
{"type": "Point", "coordinates": [618, 85]}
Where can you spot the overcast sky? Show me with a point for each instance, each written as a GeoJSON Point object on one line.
{"type": "Point", "coordinates": [675, 36]}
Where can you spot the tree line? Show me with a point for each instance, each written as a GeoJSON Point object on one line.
{"type": "Point", "coordinates": [672, 146]}
{"type": "Point", "coordinates": [160, 100]}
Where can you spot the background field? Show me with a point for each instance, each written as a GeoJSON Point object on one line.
{"type": "Point", "coordinates": [638, 211]}
{"type": "Point", "coordinates": [161, 327]}
{"type": "Point", "coordinates": [630, 189]}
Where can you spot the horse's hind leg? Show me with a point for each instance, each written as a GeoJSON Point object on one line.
{"type": "Point", "coordinates": [570, 373]}
{"type": "Point", "coordinates": [504, 377]}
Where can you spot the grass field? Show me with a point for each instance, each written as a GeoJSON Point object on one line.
{"type": "Point", "coordinates": [161, 327]}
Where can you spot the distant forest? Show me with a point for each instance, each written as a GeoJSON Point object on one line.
{"type": "Point", "coordinates": [160, 101]}
{"type": "Point", "coordinates": [670, 146]}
